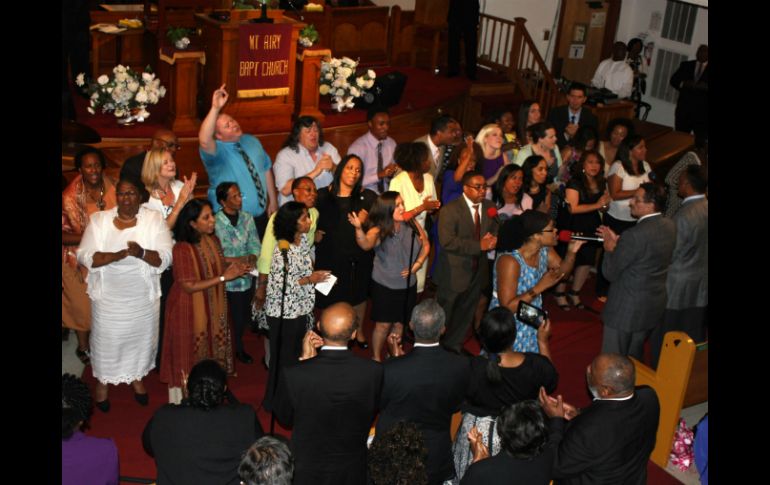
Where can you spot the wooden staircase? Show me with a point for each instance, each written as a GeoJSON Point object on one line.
{"type": "Point", "coordinates": [506, 48]}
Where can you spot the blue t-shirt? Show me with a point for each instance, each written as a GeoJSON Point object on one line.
{"type": "Point", "coordinates": [227, 165]}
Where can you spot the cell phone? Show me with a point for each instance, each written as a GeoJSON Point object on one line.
{"type": "Point", "coordinates": [531, 315]}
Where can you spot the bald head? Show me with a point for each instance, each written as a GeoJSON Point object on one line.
{"type": "Point", "coordinates": [164, 138]}
{"type": "Point", "coordinates": [338, 324]}
{"type": "Point", "coordinates": [611, 375]}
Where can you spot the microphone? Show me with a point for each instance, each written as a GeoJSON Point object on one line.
{"type": "Point", "coordinates": [492, 214]}
{"type": "Point", "coordinates": [567, 236]}
{"type": "Point", "coordinates": [283, 245]}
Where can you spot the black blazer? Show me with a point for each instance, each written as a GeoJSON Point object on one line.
{"type": "Point", "coordinates": [609, 442]}
{"type": "Point", "coordinates": [426, 387]}
{"type": "Point", "coordinates": [559, 118]}
{"type": "Point", "coordinates": [691, 98]}
{"type": "Point", "coordinates": [192, 446]}
{"type": "Point", "coordinates": [331, 401]}
{"type": "Point", "coordinates": [132, 167]}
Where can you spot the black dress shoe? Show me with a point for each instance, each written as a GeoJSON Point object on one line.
{"type": "Point", "coordinates": [244, 357]}
{"type": "Point", "coordinates": [103, 406]}
{"type": "Point", "coordinates": [142, 399]}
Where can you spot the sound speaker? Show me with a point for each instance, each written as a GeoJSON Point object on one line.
{"type": "Point", "coordinates": [386, 92]}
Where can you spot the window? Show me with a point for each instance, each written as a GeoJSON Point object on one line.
{"type": "Point", "coordinates": [679, 21]}
{"type": "Point", "coordinates": [666, 63]}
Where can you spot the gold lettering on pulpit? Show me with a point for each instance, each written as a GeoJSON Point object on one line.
{"type": "Point", "coordinates": [254, 42]}
{"type": "Point", "coordinates": [275, 68]}
{"type": "Point", "coordinates": [248, 68]}
{"type": "Point", "coordinates": [272, 42]}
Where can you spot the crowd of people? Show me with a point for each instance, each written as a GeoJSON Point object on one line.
{"type": "Point", "coordinates": [153, 277]}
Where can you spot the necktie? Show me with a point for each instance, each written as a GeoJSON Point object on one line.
{"type": "Point", "coordinates": [476, 233]}
{"type": "Point", "coordinates": [380, 182]}
{"type": "Point", "coordinates": [698, 71]}
{"type": "Point", "coordinates": [572, 119]}
{"type": "Point", "coordinates": [254, 176]}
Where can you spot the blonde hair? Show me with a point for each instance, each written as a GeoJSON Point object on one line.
{"type": "Point", "coordinates": [484, 132]}
{"type": "Point", "coordinates": [151, 167]}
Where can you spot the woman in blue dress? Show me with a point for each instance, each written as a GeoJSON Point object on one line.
{"type": "Point", "coordinates": [527, 265]}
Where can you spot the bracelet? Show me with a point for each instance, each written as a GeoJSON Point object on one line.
{"type": "Point", "coordinates": [142, 257]}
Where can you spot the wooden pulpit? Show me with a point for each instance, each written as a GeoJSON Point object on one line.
{"type": "Point", "coordinates": [267, 114]}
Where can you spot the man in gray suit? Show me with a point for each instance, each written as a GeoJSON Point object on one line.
{"type": "Point", "coordinates": [466, 233]}
{"type": "Point", "coordinates": [637, 264]}
{"type": "Point", "coordinates": [688, 277]}
{"type": "Point", "coordinates": [443, 131]}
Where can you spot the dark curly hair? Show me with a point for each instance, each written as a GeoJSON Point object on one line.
{"type": "Point", "coordinates": [411, 155]}
{"type": "Point", "coordinates": [86, 151]}
{"type": "Point", "coordinates": [206, 385]}
{"type": "Point", "coordinates": [398, 457]}
{"type": "Point", "coordinates": [518, 229]}
{"type": "Point", "coordinates": [292, 141]}
{"type": "Point", "coordinates": [624, 122]}
{"type": "Point", "coordinates": [523, 430]}
{"type": "Point", "coordinates": [183, 231]}
{"type": "Point", "coordinates": [76, 404]}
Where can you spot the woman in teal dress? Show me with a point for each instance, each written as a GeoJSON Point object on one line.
{"type": "Point", "coordinates": [527, 265]}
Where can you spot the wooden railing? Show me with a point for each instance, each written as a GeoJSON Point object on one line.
{"type": "Point", "coordinates": [506, 47]}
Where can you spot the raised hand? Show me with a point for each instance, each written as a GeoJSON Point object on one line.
{"type": "Point", "coordinates": [219, 98]}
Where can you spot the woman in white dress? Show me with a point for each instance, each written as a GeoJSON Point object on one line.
{"type": "Point", "coordinates": [415, 185]}
{"type": "Point", "coordinates": [125, 250]}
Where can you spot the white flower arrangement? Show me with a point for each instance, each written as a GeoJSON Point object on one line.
{"type": "Point", "coordinates": [339, 79]}
{"type": "Point", "coordinates": [126, 93]}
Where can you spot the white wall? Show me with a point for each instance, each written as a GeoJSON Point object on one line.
{"type": "Point", "coordinates": [635, 20]}
{"type": "Point", "coordinates": [540, 14]}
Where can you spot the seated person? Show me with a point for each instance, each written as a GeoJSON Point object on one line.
{"type": "Point", "coordinates": [201, 440]}
{"type": "Point", "coordinates": [527, 449]}
{"type": "Point", "coordinates": [614, 73]}
{"type": "Point", "coordinates": [267, 461]}
{"type": "Point", "coordinates": [85, 460]}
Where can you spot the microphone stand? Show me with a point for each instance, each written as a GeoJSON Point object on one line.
{"type": "Point", "coordinates": [405, 321]}
{"type": "Point", "coordinates": [278, 342]}
{"type": "Point", "coordinates": [264, 19]}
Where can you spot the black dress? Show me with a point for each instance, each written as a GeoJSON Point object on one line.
{"type": "Point", "coordinates": [585, 223]}
{"type": "Point", "coordinates": [338, 251]}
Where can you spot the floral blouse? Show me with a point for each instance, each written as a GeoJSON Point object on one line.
{"type": "Point", "coordinates": [300, 299]}
{"type": "Point", "coordinates": [237, 241]}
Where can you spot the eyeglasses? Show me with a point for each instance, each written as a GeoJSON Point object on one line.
{"type": "Point", "coordinates": [170, 145]}
{"type": "Point", "coordinates": [549, 230]}
{"type": "Point", "coordinates": [478, 186]}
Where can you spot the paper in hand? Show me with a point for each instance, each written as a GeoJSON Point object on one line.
{"type": "Point", "coordinates": [326, 286]}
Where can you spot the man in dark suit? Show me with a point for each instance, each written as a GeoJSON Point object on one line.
{"type": "Point", "coordinates": [568, 118]}
{"type": "Point", "coordinates": [687, 284]}
{"type": "Point", "coordinates": [637, 264]}
{"type": "Point", "coordinates": [692, 82]}
{"type": "Point", "coordinates": [330, 399]}
{"type": "Point", "coordinates": [162, 138]}
{"type": "Point", "coordinates": [426, 387]}
{"type": "Point", "coordinates": [611, 440]}
{"type": "Point", "coordinates": [444, 130]}
{"type": "Point", "coordinates": [466, 233]}
{"type": "Point", "coordinates": [463, 20]}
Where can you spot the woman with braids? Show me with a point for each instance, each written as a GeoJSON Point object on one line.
{"type": "Point", "coordinates": [201, 440]}
{"type": "Point", "coordinates": [90, 191]}
{"type": "Point", "coordinates": [85, 460]}
{"type": "Point", "coordinates": [398, 457]}
{"type": "Point", "coordinates": [393, 240]}
{"type": "Point", "coordinates": [500, 377]}
{"type": "Point", "coordinates": [197, 325]}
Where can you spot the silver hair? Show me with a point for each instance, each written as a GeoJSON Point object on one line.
{"type": "Point", "coordinates": [428, 320]}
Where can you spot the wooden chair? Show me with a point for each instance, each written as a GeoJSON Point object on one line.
{"type": "Point", "coordinates": [429, 25]}
{"type": "Point", "coordinates": [670, 383]}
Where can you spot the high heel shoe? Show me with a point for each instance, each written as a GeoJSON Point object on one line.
{"type": "Point", "coordinates": [142, 399]}
{"type": "Point", "coordinates": [560, 294]}
{"type": "Point", "coordinates": [574, 299]}
{"type": "Point", "coordinates": [103, 406]}
{"type": "Point", "coordinates": [361, 345]}
{"type": "Point", "coordinates": [84, 356]}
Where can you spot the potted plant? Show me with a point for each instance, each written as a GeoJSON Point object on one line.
{"type": "Point", "coordinates": [308, 36]}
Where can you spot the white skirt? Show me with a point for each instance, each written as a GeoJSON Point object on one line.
{"type": "Point", "coordinates": [124, 330]}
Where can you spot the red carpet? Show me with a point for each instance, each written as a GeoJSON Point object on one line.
{"type": "Point", "coordinates": [575, 341]}
{"type": "Point", "coordinates": [423, 90]}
